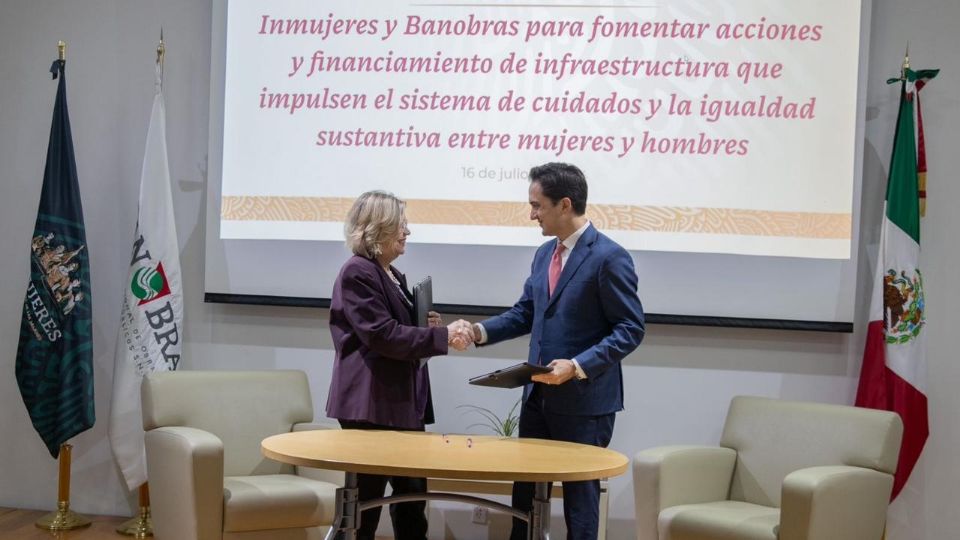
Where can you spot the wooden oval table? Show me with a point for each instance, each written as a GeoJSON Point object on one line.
{"type": "Point", "coordinates": [435, 455]}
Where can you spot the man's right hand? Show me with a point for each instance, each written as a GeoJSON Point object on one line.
{"type": "Point", "coordinates": [460, 335]}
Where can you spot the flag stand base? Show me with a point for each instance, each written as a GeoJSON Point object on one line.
{"type": "Point", "coordinates": [63, 519]}
{"type": "Point", "coordinates": [138, 527]}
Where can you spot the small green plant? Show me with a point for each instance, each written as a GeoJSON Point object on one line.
{"type": "Point", "coordinates": [505, 427]}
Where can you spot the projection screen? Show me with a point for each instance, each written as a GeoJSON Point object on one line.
{"type": "Point", "coordinates": [721, 142]}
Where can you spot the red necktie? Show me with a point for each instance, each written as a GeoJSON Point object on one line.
{"type": "Point", "coordinates": [556, 265]}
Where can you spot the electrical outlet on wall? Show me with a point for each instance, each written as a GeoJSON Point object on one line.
{"type": "Point", "coordinates": [480, 515]}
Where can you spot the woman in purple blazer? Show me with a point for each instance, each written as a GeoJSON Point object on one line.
{"type": "Point", "coordinates": [378, 380]}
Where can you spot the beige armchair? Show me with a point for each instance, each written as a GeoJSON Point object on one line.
{"type": "Point", "coordinates": [784, 470]}
{"type": "Point", "coordinates": [208, 479]}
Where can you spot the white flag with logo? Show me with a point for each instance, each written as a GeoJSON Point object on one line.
{"type": "Point", "coordinates": [151, 322]}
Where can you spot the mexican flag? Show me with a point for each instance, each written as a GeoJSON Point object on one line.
{"type": "Point", "coordinates": [151, 320]}
{"type": "Point", "coordinates": [894, 372]}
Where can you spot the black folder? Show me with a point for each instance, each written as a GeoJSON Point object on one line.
{"type": "Point", "coordinates": [510, 377]}
{"type": "Point", "coordinates": [422, 304]}
{"type": "Point", "coordinates": [422, 300]}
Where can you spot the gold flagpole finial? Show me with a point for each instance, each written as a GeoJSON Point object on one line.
{"type": "Point", "coordinates": [906, 63]}
{"type": "Point", "coordinates": [61, 50]}
{"type": "Point", "coordinates": [161, 52]}
{"type": "Point", "coordinates": [161, 49]}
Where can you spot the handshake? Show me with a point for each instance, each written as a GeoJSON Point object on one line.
{"type": "Point", "coordinates": [460, 333]}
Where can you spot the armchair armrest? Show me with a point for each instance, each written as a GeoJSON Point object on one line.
{"type": "Point", "coordinates": [834, 503]}
{"type": "Point", "coordinates": [311, 426]}
{"type": "Point", "coordinates": [323, 475]}
{"type": "Point", "coordinates": [672, 475]}
{"type": "Point", "coordinates": [185, 467]}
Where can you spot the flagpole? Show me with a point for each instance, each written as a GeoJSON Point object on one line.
{"type": "Point", "coordinates": [142, 525]}
{"type": "Point", "coordinates": [63, 519]}
{"type": "Point", "coordinates": [161, 52]}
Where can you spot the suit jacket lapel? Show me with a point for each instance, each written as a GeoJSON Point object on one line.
{"type": "Point", "coordinates": [579, 254]}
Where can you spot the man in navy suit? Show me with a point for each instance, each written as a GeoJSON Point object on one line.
{"type": "Point", "coordinates": [581, 309]}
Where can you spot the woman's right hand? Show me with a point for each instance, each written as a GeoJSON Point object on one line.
{"type": "Point", "coordinates": [460, 334]}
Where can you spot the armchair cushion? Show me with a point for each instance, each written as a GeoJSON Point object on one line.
{"type": "Point", "coordinates": [723, 520]}
{"type": "Point", "coordinates": [276, 501]}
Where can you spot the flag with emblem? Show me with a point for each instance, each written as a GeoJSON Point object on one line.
{"type": "Point", "coordinates": [151, 317]}
{"type": "Point", "coordinates": [894, 373]}
{"type": "Point", "coordinates": [54, 365]}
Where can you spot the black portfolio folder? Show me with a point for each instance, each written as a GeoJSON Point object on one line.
{"type": "Point", "coordinates": [422, 304]}
{"type": "Point", "coordinates": [510, 377]}
{"type": "Point", "coordinates": [422, 300]}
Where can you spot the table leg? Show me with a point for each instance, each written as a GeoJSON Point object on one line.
{"type": "Point", "coordinates": [347, 518]}
{"type": "Point", "coordinates": [539, 526]}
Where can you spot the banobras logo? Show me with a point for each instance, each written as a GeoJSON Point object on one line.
{"type": "Point", "coordinates": [149, 284]}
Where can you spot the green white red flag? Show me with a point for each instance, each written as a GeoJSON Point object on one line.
{"type": "Point", "coordinates": [894, 372]}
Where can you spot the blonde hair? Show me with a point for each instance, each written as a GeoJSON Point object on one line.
{"type": "Point", "coordinates": [373, 219]}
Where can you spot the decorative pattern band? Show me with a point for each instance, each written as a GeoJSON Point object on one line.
{"type": "Point", "coordinates": [734, 221]}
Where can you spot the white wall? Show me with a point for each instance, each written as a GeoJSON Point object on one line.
{"type": "Point", "coordinates": [678, 383]}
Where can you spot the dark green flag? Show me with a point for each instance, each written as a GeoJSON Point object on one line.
{"type": "Point", "coordinates": [55, 358]}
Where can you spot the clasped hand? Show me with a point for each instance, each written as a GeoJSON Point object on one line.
{"type": "Point", "coordinates": [459, 333]}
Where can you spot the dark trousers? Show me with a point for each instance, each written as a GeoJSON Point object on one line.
{"type": "Point", "coordinates": [581, 500]}
{"type": "Point", "coordinates": [409, 520]}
